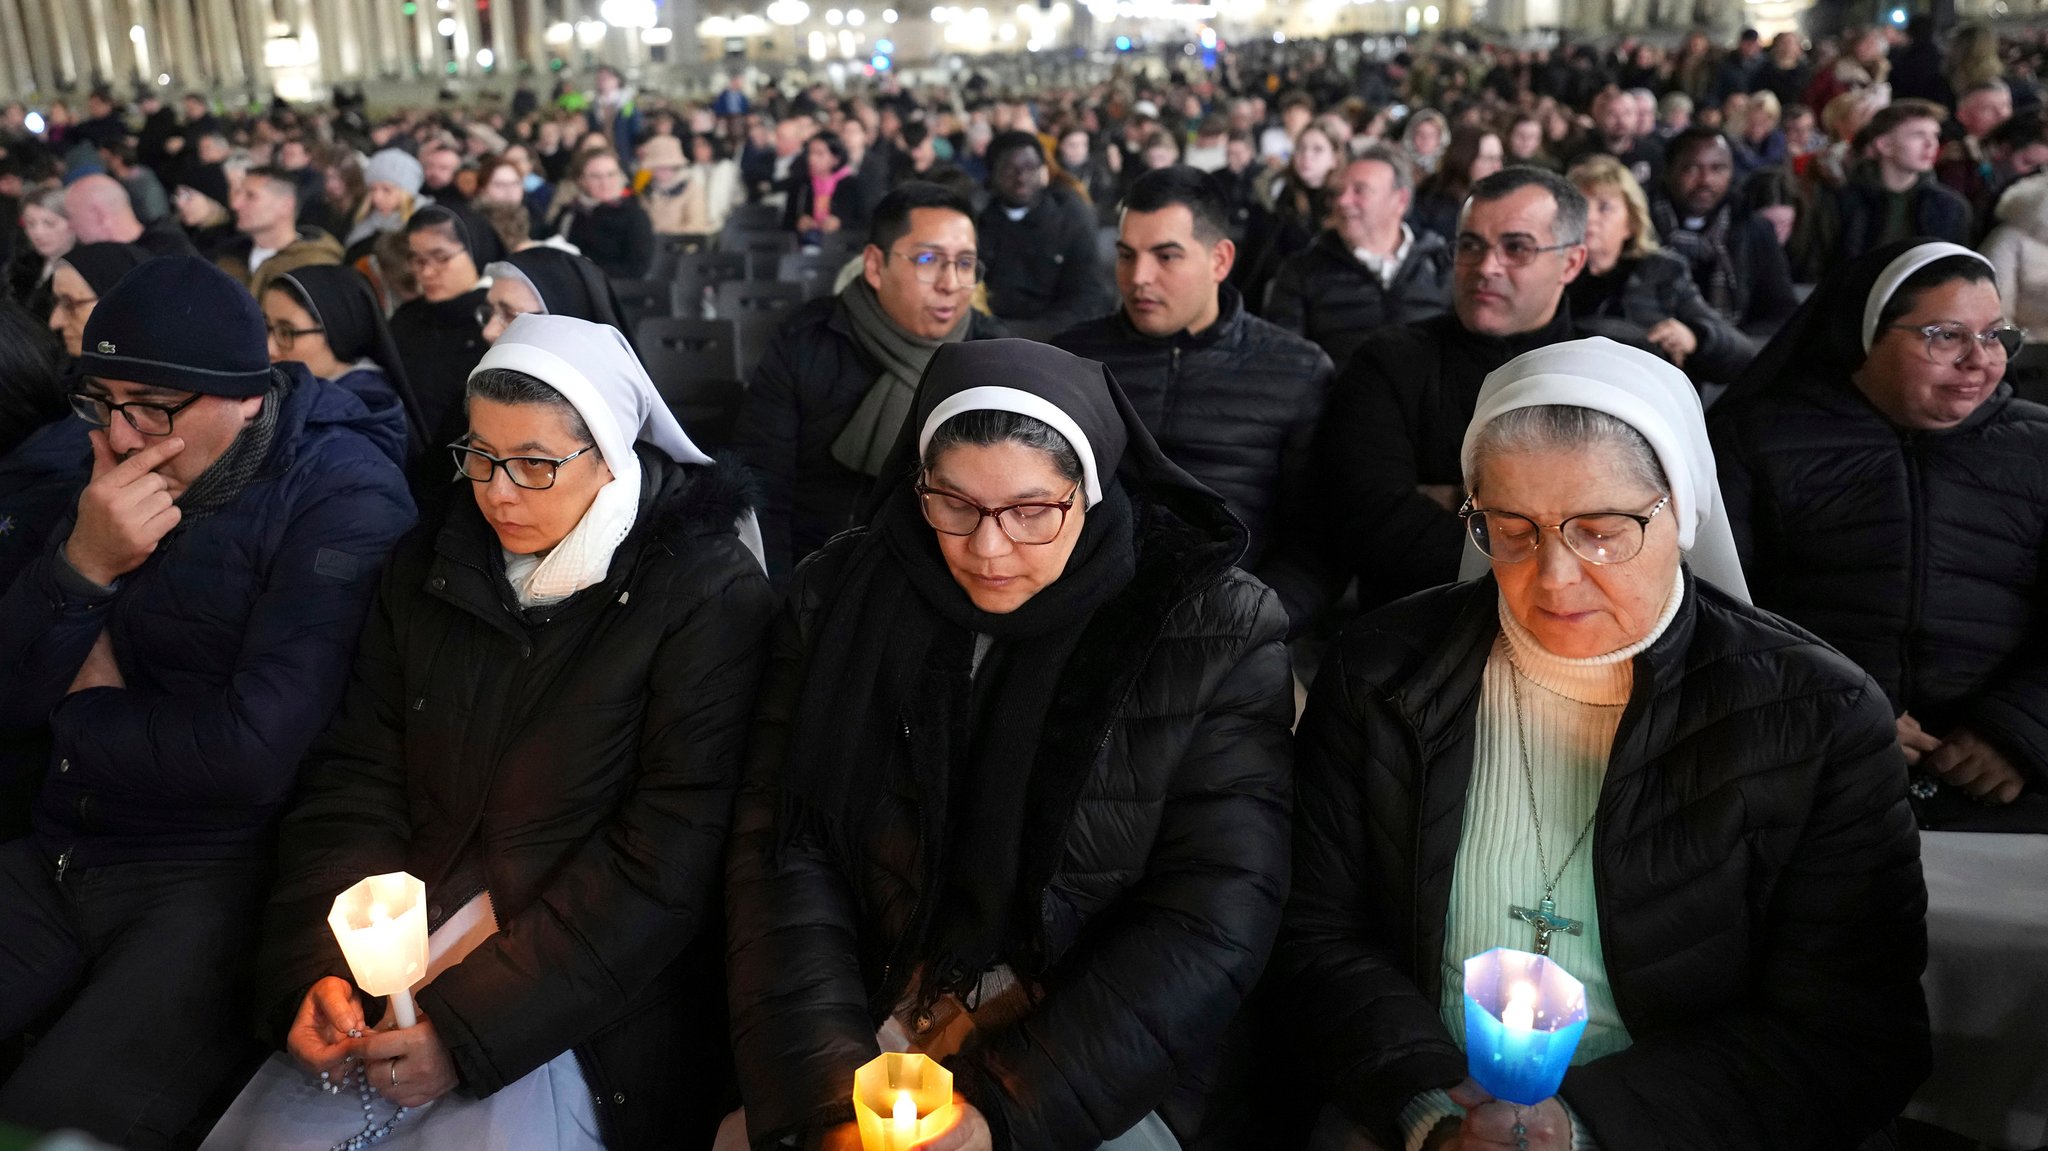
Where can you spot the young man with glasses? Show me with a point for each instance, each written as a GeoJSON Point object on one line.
{"type": "Point", "coordinates": [175, 653]}
{"type": "Point", "coordinates": [1387, 463]}
{"type": "Point", "coordinates": [828, 398]}
{"type": "Point", "coordinates": [1230, 397]}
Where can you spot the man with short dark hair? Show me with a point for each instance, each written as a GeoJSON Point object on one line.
{"type": "Point", "coordinates": [1388, 474]}
{"type": "Point", "coordinates": [270, 243]}
{"type": "Point", "coordinates": [1891, 193]}
{"type": "Point", "coordinates": [1230, 397]}
{"type": "Point", "coordinates": [177, 653]}
{"type": "Point", "coordinates": [1619, 131]}
{"type": "Point", "coordinates": [1737, 262]}
{"type": "Point", "coordinates": [1967, 165]}
{"type": "Point", "coordinates": [440, 164]}
{"type": "Point", "coordinates": [825, 403]}
{"type": "Point", "coordinates": [1044, 268]}
{"type": "Point", "coordinates": [1368, 269]}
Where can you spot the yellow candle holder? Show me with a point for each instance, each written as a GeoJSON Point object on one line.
{"type": "Point", "coordinates": [901, 1099]}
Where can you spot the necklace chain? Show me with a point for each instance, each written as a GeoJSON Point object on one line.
{"type": "Point", "coordinates": [1550, 881]}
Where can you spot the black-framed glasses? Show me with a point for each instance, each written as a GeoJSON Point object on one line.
{"type": "Point", "coordinates": [1027, 523]}
{"type": "Point", "coordinates": [147, 418]}
{"type": "Point", "coordinates": [928, 266]}
{"type": "Point", "coordinates": [285, 335]}
{"type": "Point", "coordinates": [1597, 537]}
{"type": "Point", "coordinates": [1949, 343]}
{"type": "Point", "coordinates": [534, 473]}
{"type": "Point", "coordinates": [1515, 251]}
{"type": "Point", "coordinates": [485, 313]}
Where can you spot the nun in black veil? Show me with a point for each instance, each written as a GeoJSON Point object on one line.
{"type": "Point", "coordinates": [326, 317]}
{"type": "Point", "coordinates": [1017, 794]}
{"type": "Point", "coordinates": [438, 334]}
{"type": "Point", "coordinates": [548, 282]}
{"type": "Point", "coordinates": [1887, 491]}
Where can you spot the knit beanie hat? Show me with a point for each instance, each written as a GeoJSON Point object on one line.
{"type": "Point", "coordinates": [392, 166]}
{"type": "Point", "coordinates": [210, 181]}
{"type": "Point", "coordinates": [179, 322]}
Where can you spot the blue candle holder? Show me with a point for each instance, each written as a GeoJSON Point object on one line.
{"type": "Point", "coordinates": [1523, 1018]}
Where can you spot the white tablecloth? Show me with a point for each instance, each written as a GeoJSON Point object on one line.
{"type": "Point", "coordinates": [1987, 986]}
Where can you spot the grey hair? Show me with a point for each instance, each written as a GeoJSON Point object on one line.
{"type": "Point", "coordinates": [48, 199]}
{"type": "Point", "coordinates": [506, 386]}
{"type": "Point", "coordinates": [1568, 227]}
{"type": "Point", "coordinates": [985, 428]}
{"type": "Point", "coordinates": [1564, 427]}
{"type": "Point", "coordinates": [1396, 161]}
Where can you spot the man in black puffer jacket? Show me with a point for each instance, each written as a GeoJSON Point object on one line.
{"type": "Point", "coordinates": [1230, 397]}
{"type": "Point", "coordinates": [1369, 269]}
{"type": "Point", "coordinates": [1044, 265]}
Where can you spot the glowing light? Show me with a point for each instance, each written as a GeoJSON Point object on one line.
{"type": "Point", "coordinates": [789, 13]}
{"type": "Point", "coordinates": [888, 15]}
{"type": "Point", "coordinates": [855, 17]}
{"type": "Point", "coordinates": [1123, 43]}
{"type": "Point", "coordinates": [629, 13]}
{"type": "Point", "coordinates": [656, 37]}
{"type": "Point", "coordinates": [485, 57]}
{"type": "Point", "coordinates": [835, 17]}
{"type": "Point", "coordinates": [446, 27]}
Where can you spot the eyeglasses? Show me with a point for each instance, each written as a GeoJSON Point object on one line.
{"type": "Point", "coordinates": [485, 313]}
{"type": "Point", "coordinates": [1028, 523]}
{"type": "Point", "coordinates": [149, 419]}
{"type": "Point", "coordinates": [928, 266]}
{"type": "Point", "coordinates": [285, 335]}
{"type": "Point", "coordinates": [1515, 251]}
{"type": "Point", "coordinates": [419, 260]}
{"type": "Point", "coordinates": [1950, 343]}
{"type": "Point", "coordinates": [1596, 537]}
{"type": "Point", "coordinates": [534, 473]}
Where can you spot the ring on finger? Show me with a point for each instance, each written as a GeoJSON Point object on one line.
{"type": "Point", "coordinates": [394, 1072]}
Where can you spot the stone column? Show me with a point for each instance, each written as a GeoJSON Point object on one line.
{"type": "Point", "coordinates": [18, 46]}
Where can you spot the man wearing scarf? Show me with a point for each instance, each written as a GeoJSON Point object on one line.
{"type": "Point", "coordinates": [1736, 259]}
{"type": "Point", "coordinates": [179, 648]}
{"type": "Point", "coordinates": [825, 403]}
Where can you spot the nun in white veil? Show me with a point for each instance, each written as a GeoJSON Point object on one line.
{"type": "Point", "coordinates": [1595, 749]}
{"type": "Point", "coordinates": [544, 726]}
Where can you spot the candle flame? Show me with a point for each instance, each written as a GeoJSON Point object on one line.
{"type": "Point", "coordinates": [379, 913]}
{"type": "Point", "coordinates": [906, 1113]}
{"type": "Point", "coordinates": [1520, 1012]}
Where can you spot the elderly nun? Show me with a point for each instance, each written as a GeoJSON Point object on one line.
{"type": "Point", "coordinates": [545, 726]}
{"type": "Point", "coordinates": [548, 282]}
{"type": "Point", "coordinates": [1597, 749]}
{"type": "Point", "coordinates": [1017, 796]}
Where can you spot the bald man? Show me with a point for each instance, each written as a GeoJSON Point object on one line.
{"type": "Point", "coordinates": [101, 212]}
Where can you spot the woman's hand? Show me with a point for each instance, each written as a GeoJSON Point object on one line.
{"type": "Point", "coordinates": [409, 1065]}
{"type": "Point", "coordinates": [806, 224]}
{"type": "Point", "coordinates": [1966, 761]}
{"type": "Point", "coordinates": [1913, 738]}
{"type": "Point", "coordinates": [829, 224]}
{"type": "Point", "coordinates": [1491, 1125]}
{"type": "Point", "coordinates": [1674, 339]}
{"type": "Point", "coordinates": [969, 1131]}
{"type": "Point", "coordinates": [319, 1037]}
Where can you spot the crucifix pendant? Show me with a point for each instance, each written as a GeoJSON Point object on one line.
{"type": "Point", "coordinates": [1547, 922]}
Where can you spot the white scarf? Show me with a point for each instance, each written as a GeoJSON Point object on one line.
{"type": "Point", "coordinates": [1650, 395]}
{"type": "Point", "coordinates": [596, 371]}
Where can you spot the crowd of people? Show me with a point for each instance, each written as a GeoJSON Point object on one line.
{"type": "Point", "coordinates": [1219, 549]}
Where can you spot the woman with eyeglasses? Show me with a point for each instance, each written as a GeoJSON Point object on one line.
{"type": "Point", "coordinates": [1888, 492]}
{"type": "Point", "coordinates": [1594, 748]}
{"type": "Point", "coordinates": [326, 317]}
{"type": "Point", "coordinates": [438, 335]}
{"type": "Point", "coordinates": [544, 726]}
{"type": "Point", "coordinates": [548, 282]}
{"type": "Point", "coordinates": [80, 277]}
{"type": "Point", "coordinates": [1017, 793]}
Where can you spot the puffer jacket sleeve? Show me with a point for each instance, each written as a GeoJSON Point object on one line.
{"type": "Point", "coordinates": [1287, 295]}
{"type": "Point", "coordinates": [1837, 1026]}
{"type": "Point", "coordinates": [2012, 711]}
{"type": "Point", "coordinates": [1724, 350]}
{"type": "Point", "coordinates": [626, 902]}
{"type": "Point", "coordinates": [765, 437]}
{"type": "Point", "coordinates": [1148, 990]}
{"type": "Point", "coordinates": [799, 1004]}
{"type": "Point", "coordinates": [1360, 1019]}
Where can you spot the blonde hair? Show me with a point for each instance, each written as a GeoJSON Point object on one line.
{"type": "Point", "coordinates": [1766, 102]}
{"type": "Point", "coordinates": [1605, 173]}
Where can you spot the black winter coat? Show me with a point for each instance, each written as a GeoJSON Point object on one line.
{"type": "Point", "coordinates": [1762, 275]}
{"type": "Point", "coordinates": [1845, 222]}
{"type": "Point", "coordinates": [578, 761]}
{"type": "Point", "coordinates": [1657, 287]}
{"type": "Point", "coordinates": [440, 344]}
{"type": "Point", "coordinates": [1324, 293]}
{"type": "Point", "coordinates": [1919, 554]}
{"type": "Point", "coordinates": [1396, 420]}
{"type": "Point", "coordinates": [1756, 865]}
{"type": "Point", "coordinates": [1236, 406]}
{"type": "Point", "coordinates": [1160, 874]}
{"type": "Point", "coordinates": [618, 237]}
{"type": "Point", "coordinates": [798, 400]}
{"type": "Point", "coordinates": [1045, 269]}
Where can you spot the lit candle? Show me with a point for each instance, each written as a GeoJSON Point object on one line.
{"type": "Point", "coordinates": [900, 1098]}
{"type": "Point", "coordinates": [1518, 1019]}
{"type": "Point", "coordinates": [381, 925]}
{"type": "Point", "coordinates": [1507, 992]}
{"type": "Point", "coordinates": [903, 1126]}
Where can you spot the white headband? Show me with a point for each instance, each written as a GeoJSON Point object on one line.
{"type": "Point", "coordinates": [996, 399]}
{"type": "Point", "coordinates": [507, 270]}
{"type": "Point", "coordinates": [1898, 272]}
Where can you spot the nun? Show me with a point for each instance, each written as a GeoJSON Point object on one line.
{"type": "Point", "coordinates": [326, 317]}
{"type": "Point", "coordinates": [545, 726]}
{"type": "Point", "coordinates": [1017, 796]}
{"type": "Point", "coordinates": [1596, 749]}
{"type": "Point", "coordinates": [79, 278]}
{"type": "Point", "coordinates": [547, 282]}
{"type": "Point", "coordinates": [438, 334]}
{"type": "Point", "coordinates": [1887, 491]}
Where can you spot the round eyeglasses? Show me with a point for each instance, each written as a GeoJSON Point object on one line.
{"type": "Point", "coordinates": [1027, 523]}
{"type": "Point", "coordinates": [534, 473]}
{"type": "Point", "coordinates": [1950, 343]}
{"type": "Point", "coordinates": [1597, 537]}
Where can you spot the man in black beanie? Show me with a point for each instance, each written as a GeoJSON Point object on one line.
{"type": "Point", "coordinates": [177, 650]}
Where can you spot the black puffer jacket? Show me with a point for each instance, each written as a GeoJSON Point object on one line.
{"type": "Point", "coordinates": [579, 762]}
{"type": "Point", "coordinates": [1235, 405]}
{"type": "Point", "coordinates": [1045, 271]}
{"type": "Point", "coordinates": [1160, 887]}
{"type": "Point", "coordinates": [1325, 294]}
{"type": "Point", "coordinates": [1919, 554]}
{"type": "Point", "coordinates": [1756, 865]}
{"type": "Point", "coordinates": [799, 399]}
{"type": "Point", "coordinates": [1657, 286]}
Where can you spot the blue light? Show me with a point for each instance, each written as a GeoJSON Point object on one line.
{"type": "Point", "coordinates": [881, 63]}
{"type": "Point", "coordinates": [1522, 1064]}
{"type": "Point", "coordinates": [885, 47]}
{"type": "Point", "coordinates": [1898, 15]}
{"type": "Point", "coordinates": [1123, 43]}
